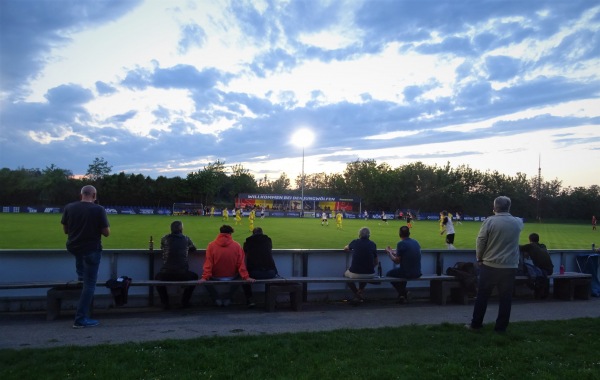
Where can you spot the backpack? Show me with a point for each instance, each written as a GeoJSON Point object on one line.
{"type": "Point", "coordinates": [119, 288]}
{"type": "Point", "coordinates": [536, 280]}
{"type": "Point", "coordinates": [466, 274]}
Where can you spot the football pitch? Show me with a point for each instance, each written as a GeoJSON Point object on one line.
{"type": "Point", "coordinates": [44, 231]}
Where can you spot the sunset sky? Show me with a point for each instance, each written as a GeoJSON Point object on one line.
{"type": "Point", "coordinates": [165, 87]}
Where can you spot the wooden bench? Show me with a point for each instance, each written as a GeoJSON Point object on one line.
{"type": "Point", "coordinates": [568, 286]}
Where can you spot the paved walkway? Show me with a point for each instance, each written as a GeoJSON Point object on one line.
{"type": "Point", "coordinates": [31, 330]}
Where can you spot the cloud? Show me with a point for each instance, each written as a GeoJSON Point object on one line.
{"type": "Point", "coordinates": [397, 80]}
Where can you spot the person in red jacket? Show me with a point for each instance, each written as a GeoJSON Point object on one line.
{"type": "Point", "coordinates": [224, 261]}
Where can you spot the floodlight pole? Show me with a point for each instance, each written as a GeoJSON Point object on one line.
{"type": "Point", "coordinates": [302, 185]}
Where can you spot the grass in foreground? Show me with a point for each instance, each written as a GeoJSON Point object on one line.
{"type": "Point", "coordinates": [530, 350]}
{"type": "Point", "coordinates": [44, 231]}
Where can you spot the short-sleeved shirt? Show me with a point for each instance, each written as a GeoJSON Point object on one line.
{"type": "Point", "coordinates": [409, 251]}
{"type": "Point", "coordinates": [85, 222]}
{"type": "Point", "coordinates": [364, 252]}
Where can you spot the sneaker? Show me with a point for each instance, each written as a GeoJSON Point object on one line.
{"type": "Point", "coordinates": [250, 303]}
{"type": "Point", "coordinates": [219, 302]}
{"type": "Point", "coordinates": [226, 302]}
{"type": "Point", "coordinates": [470, 327]}
{"type": "Point", "coordinates": [86, 322]}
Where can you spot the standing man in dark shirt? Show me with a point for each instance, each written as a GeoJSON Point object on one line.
{"type": "Point", "coordinates": [175, 248]}
{"type": "Point", "coordinates": [408, 255]}
{"type": "Point", "coordinates": [85, 223]}
{"type": "Point", "coordinates": [259, 260]}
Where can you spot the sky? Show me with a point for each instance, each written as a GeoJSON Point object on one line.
{"type": "Point", "coordinates": [163, 88]}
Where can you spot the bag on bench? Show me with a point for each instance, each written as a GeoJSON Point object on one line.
{"type": "Point", "coordinates": [536, 280]}
{"type": "Point", "coordinates": [119, 289]}
{"type": "Point", "coordinates": [466, 274]}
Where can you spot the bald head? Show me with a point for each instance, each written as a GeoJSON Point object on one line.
{"type": "Point", "coordinates": [88, 193]}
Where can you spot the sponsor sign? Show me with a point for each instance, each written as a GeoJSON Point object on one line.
{"type": "Point", "coordinates": [147, 211]}
{"type": "Point", "coordinates": [32, 210]}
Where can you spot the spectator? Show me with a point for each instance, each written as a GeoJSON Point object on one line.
{"type": "Point", "coordinates": [224, 262]}
{"type": "Point", "coordinates": [85, 223]}
{"type": "Point", "coordinates": [259, 260]}
{"type": "Point", "coordinates": [364, 260]}
{"type": "Point", "coordinates": [497, 252]}
{"type": "Point", "coordinates": [540, 257]}
{"type": "Point", "coordinates": [175, 249]}
{"type": "Point", "coordinates": [408, 255]}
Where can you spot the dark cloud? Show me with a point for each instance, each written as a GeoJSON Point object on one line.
{"type": "Point", "coordinates": [502, 68]}
{"type": "Point", "coordinates": [29, 30]}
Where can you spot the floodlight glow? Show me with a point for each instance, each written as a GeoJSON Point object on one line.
{"type": "Point", "coordinates": [303, 137]}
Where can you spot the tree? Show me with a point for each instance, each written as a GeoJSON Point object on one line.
{"type": "Point", "coordinates": [98, 169]}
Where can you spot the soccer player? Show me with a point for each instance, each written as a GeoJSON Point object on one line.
{"type": "Point", "coordinates": [448, 228]}
{"type": "Point", "coordinates": [365, 215]}
{"type": "Point", "coordinates": [262, 212]}
{"type": "Point", "coordinates": [324, 221]}
{"type": "Point", "coordinates": [338, 219]}
{"type": "Point", "coordinates": [238, 216]}
{"type": "Point", "coordinates": [409, 219]}
{"type": "Point", "coordinates": [593, 222]}
{"type": "Point", "coordinates": [383, 217]}
{"type": "Point", "coordinates": [225, 214]}
{"type": "Point", "coordinates": [251, 218]}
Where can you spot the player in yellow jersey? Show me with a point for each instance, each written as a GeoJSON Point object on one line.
{"type": "Point", "coordinates": [338, 220]}
{"type": "Point", "coordinates": [212, 211]}
{"type": "Point", "coordinates": [238, 216]}
{"type": "Point", "coordinates": [251, 218]}
{"type": "Point", "coordinates": [225, 214]}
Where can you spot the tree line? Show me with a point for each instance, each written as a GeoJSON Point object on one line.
{"type": "Point", "coordinates": [413, 186]}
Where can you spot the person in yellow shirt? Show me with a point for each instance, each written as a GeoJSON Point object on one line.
{"type": "Point", "coordinates": [238, 216]}
{"type": "Point", "coordinates": [212, 211]}
{"type": "Point", "coordinates": [251, 218]}
{"type": "Point", "coordinates": [225, 214]}
{"type": "Point", "coordinates": [338, 220]}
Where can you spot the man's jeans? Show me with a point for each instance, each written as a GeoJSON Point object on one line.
{"type": "Point", "coordinates": [86, 265]}
{"type": "Point", "coordinates": [489, 277]}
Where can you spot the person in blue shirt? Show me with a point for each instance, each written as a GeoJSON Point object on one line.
{"type": "Point", "coordinates": [364, 261]}
{"type": "Point", "coordinates": [408, 255]}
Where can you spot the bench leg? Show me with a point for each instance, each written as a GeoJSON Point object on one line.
{"type": "Point", "coordinates": [571, 288]}
{"type": "Point", "coordinates": [294, 291]}
{"type": "Point", "coordinates": [54, 298]}
{"type": "Point", "coordinates": [440, 290]}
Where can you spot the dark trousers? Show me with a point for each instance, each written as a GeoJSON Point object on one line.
{"type": "Point", "coordinates": [400, 286]}
{"type": "Point", "coordinates": [175, 276]}
{"type": "Point", "coordinates": [489, 278]}
{"type": "Point", "coordinates": [258, 274]}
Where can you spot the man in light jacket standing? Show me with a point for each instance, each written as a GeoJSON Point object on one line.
{"type": "Point", "coordinates": [497, 252]}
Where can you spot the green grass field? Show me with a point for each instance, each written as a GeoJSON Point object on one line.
{"type": "Point", "coordinates": [531, 350]}
{"type": "Point", "coordinates": [44, 231]}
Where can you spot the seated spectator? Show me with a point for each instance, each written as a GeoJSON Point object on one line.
{"type": "Point", "coordinates": [364, 261]}
{"type": "Point", "coordinates": [259, 260]}
{"type": "Point", "coordinates": [175, 248]}
{"type": "Point", "coordinates": [224, 262]}
{"type": "Point", "coordinates": [408, 255]}
{"type": "Point", "coordinates": [538, 254]}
